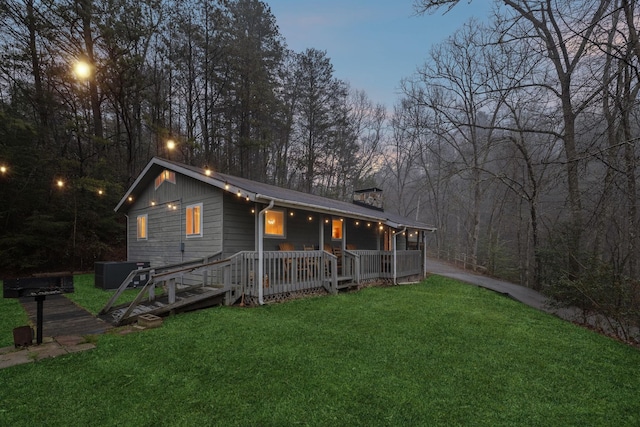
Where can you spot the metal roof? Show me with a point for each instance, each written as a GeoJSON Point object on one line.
{"type": "Point", "coordinates": [265, 193]}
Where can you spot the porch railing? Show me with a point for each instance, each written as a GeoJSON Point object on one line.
{"type": "Point", "coordinates": [294, 271]}
{"type": "Point", "coordinates": [379, 264]}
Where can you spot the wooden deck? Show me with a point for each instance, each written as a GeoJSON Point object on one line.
{"type": "Point", "coordinates": [61, 316]}
{"type": "Point", "coordinates": [185, 300]}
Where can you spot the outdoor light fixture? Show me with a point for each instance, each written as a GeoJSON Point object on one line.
{"type": "Point", "coordinates": [247, 198]}
{"type": "Point", "coordinates": [153, 203]}
{"type": "Point", "coordinates": [368, 224]}
{"type": "Point", "coordinates": [207, 171]}
{"type": "Point", "coordinates": [226, 186]}
{"type": "Point", "coordinates": [130, 198]}
{"type": "Point", "coordinates": [239, 193]}
{"type": "Point", "coordinates": [60, 183]}
{"type": "Point", "coordinates": [357, 222]}
{"type": "Point", "coordinates": [310, 218]}
{"type": "Point", "coordinates": [171, 144]}
{"type": "Point", "coordinates": [291, 213]}
{"type": "Point", "coordinates": [253, 211]}
{"type": "Point", "coordinates": [82, 70]}
{"type": "Point", "coordinates": [100, 192]}
{"type": "Point", "coordinates": [326, 220]}
{"type": "Point", "coordinates": [3, 169]}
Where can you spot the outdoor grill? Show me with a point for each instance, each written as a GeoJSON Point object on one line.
{"type": "Point", "coordinates": [39, 288]}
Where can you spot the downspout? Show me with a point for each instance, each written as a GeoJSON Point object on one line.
{"type": "Point", "coordinates": [127, 216]}
{"type": "Point", "coordinates": [395, 258]}
{"type": "Point", "coordinates": [261, 252]}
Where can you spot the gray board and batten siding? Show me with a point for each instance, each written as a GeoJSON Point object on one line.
{"type": "Point", "coordinates": [166, 227]}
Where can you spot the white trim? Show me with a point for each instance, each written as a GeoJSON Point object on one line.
{"type": "Point", "coordinates": [284, 225]}
{"type": "Point", "coordinates": [186, 209]}
{"type": "Point", "coordinates": [146, 227]}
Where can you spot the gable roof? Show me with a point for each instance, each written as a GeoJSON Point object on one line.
{"type": "Point", "coordinates": [265, 193]}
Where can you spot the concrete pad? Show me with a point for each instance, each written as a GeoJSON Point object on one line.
{"type": "Point", "coordinates": [80, 347]}
{"type": "Point", "coordinates": [44, 351]}
{"type": "Point", "coordinates": [15, 358]}
{"type": "Point", "coordinates": [5, 350]}
{"type": "Point", "coordinates": [70, 340]}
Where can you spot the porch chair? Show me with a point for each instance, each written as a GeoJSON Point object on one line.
{"type": "Point", "coordinates": [286, 262]}
{"type": "Point", "coordinates": [310, 263]}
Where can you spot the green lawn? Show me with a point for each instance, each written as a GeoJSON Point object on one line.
{"type": "Point", "coordinates": [12, 315]}
{"type": "Point", "coordinates": [437, 353]}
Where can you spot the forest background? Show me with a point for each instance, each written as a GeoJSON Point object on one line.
{"type": "Point", "coordinates": [516, 137]}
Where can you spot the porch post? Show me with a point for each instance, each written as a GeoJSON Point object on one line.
{"type": "Point", "coordinates": [321, 233]}
{"type": "Point", "coordinates": [261, 252]}
{"type": "Point", "coordinates": [395, 259]}
{"type": "Point", "coordinates": [424, 254]}
{"type": "Point", "coordinates": [344, 236]}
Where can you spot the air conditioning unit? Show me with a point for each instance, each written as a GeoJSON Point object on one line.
{"type": "Point", "coordinates": [111, 274]}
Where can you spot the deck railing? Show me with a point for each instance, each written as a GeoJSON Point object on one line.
{"type": "Point", "coordinates": [294, 271]}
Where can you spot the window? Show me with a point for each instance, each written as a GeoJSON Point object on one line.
{"type": "Point", "coordinates": [274, 223]}
{"type": "Point", "coordinates": [166, 175]}
{"type": "Point", "coordinates": [336, 229]}
{"type": "Point", "coordinates": [194, 220]}
{"type": "Point", "coordinates": [141, 224]}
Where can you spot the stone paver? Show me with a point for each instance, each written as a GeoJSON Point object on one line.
{"type": "Point", "coordinates": [51, 347]}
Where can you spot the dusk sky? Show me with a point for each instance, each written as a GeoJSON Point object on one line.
{"type": "Point", "coordinates": [372, 44]}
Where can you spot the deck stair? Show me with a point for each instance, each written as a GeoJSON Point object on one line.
{"type": "Point", "coordinates": [345, 282]}
{"type": "Point", "coordinates": [175, 297]}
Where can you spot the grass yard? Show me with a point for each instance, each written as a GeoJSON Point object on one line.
{"type": "Point", "coordinates": [93, 299]}
{"type": "Point", "coordinates": [437, 353]}
{"type": "Point", "coordinates": [12, 315]}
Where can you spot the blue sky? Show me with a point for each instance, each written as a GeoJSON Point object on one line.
{"type": "Point", "coordinates": [372, 44]}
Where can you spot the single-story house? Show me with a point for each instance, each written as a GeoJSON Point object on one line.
{"type": "Point", "coordinates": [261, 240]}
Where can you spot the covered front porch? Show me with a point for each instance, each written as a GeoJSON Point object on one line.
{"type": "Point", "coordinates": [284, 273]}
